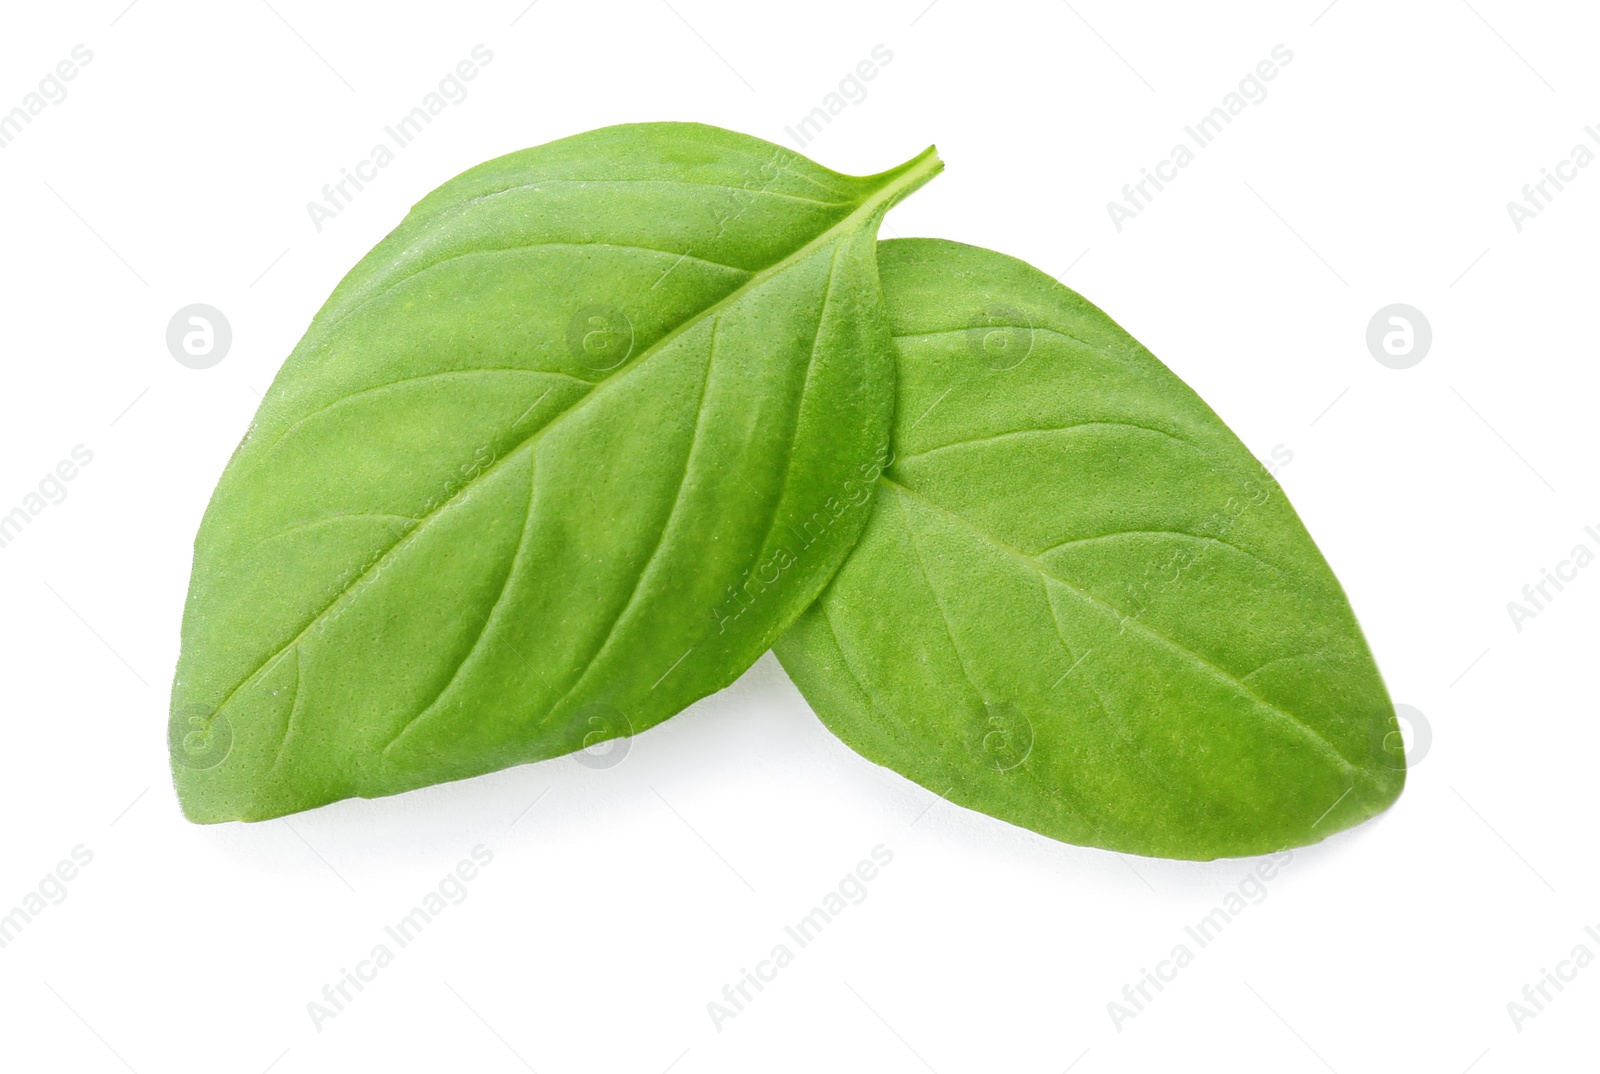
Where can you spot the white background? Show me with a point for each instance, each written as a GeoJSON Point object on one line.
{"type": "Point", "coordinates": [1377, 170]}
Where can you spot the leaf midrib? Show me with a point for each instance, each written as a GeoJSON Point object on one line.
{"type": "Point", "coordinates": [1033, 564]}
{"type": "Point", "coordinates": [918, 171]}
{"type": "Point", "coordinates": [457, 209]}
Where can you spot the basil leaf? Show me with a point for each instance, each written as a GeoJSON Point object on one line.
{"type": "Point", "coordinates": [495, 505]}
{"type": "Point", "coordinates": [1080, 605]}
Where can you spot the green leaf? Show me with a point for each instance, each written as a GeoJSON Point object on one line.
{"type": "Point", "coordinates": [494, 506]}
{"type": "Point", "coordinates": [1080, 605]}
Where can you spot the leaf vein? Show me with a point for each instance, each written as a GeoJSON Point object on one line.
{"type": "Point", "coordinates": [759, 191]}
{"type": "Point", "coordinates": [1162, 533]}
{"type": "Point", "coordinates": [353, 516]}
{"type": "Point", "coordinates": [805, 388]}
{"type": "Point", "coordinates": [1013, 433]}
{"type": "Point", "coordinates": [938, 601]}
{"type": "Point", "coordinates": [483, 630]}
{"type": "Point", "coordinates": [379, 388]}
{"type": "Point", "coordinates": [1086, 597]}
{"type": "Point", "coordinates": [937, 332]}
{"type": "Point", "coordinates": [351, 311]}
{"type": "Point", "coordinates": [868, 207]}
{"type": "Point", "coordinates": [1158, 777]}
{"type": "Point", "coordinates": [666, 525]}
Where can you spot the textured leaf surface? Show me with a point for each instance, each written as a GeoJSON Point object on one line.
{"type": "Point", "coordinates": [494, 505]}
{"type": "Point", "coordinates": [1081, 605]}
